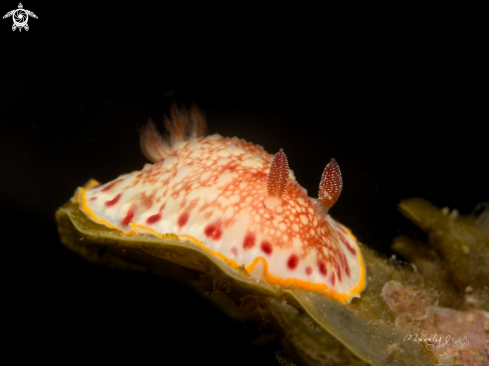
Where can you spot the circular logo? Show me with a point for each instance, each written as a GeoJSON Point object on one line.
{"type": "Point", "coordinates": [20, 17]}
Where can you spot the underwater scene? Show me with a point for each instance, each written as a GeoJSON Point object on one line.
{"type": "Point", "coordinates": [315, 209]}
{"type": "Point", "coordinates": [429, 308]}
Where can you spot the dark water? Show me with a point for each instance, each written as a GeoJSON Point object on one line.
{"type": "Point", "coordinates": [401, 119]}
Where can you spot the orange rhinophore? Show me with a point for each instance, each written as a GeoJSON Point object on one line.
{"type": "Point", "coordinates": [277, 179]}
{"type": "Point", "coordinates": [330, 185]}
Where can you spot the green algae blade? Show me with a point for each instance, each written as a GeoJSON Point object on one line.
{"type": "Point", "coordinates": [374, 343]}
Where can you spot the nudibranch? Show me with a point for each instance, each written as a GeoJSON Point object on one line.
{"type": "Point", "coordinates": [236, 202]}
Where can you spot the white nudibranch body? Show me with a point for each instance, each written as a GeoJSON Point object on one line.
{"type": "Point", "coordinates": [238, 203]}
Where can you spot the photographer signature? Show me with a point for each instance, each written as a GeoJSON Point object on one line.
{"type": "Point", "coordinates": [433, 343]}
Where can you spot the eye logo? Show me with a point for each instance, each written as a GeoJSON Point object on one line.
{"type": "Point", "coordinates": [20, 17]}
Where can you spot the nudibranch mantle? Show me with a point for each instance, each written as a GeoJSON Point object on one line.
{"type": "Point", "coordinates": [212, 191]}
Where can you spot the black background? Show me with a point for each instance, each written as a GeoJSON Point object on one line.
{"type": "Point", "coordinates": [402, 112]}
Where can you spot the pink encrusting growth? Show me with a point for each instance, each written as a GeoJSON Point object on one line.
{"type": "Point", "coordinates": [214, 191]}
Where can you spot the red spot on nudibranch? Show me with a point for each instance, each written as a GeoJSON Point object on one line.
{"type": "Point", "coordinates": [308, 270]}
{"type": "Point", "coordinates": [345, 265]}
{"type": "Point", "coordinates": [93, 198]}
{"type": "Point", "coordinates": [249, 241]}
{"type": "Point", "coordinates": [348, 246]}
{"type": "Point", "coordinates": [182, 219]}
{"type": "Point", "coordinates": [147, 199]}
{"type": "Point", "coordinates": [113, 201]}
{"type": "Point", "coordinates": [153, 218]}
{"type": "Point", "coordinates": [234, 250]}
{"type": "Point", "coordinates": [278, 175]}
{"type": "Point", "coordinates": [111, 185]}
{"type": "Point", "coordinates": [266, 247]}
{"type": "Point", "coordinates": [338, 272]}
{"type": "Point", "coordinates": [330, 185]}
{"type": "Point", "coordinates": [332, 279]}
{"type": "Point", "coordinates": [128, 218]}
{"type": "Point", "coordinates": [293, 261]}
{"type": "Point", "coordinates": [322, 268]}
{"type": "Point", "coordinates": [213, 231]}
